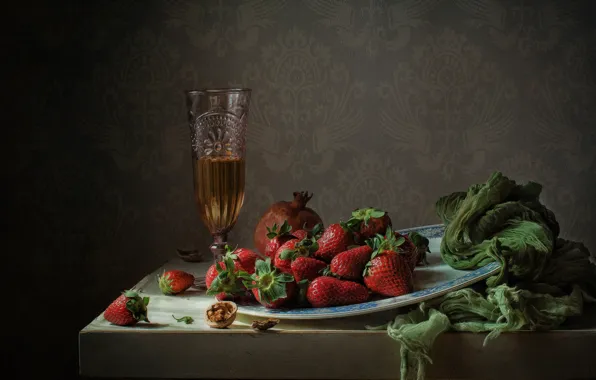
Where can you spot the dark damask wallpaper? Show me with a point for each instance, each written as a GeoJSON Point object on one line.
{"type": "Point", "coordinates": [385, 103]}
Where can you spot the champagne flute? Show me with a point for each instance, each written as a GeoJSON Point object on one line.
{"type": "Point", "coordinates": [217, 119]}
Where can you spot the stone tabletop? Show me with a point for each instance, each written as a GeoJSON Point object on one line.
{"type": "Point", "coordinates": [315, 349]}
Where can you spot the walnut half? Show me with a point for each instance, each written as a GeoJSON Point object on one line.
{"type": "Point", "coordinates": [221, 314]}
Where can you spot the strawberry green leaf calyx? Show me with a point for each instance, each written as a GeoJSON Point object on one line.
{"type": "Point", "coordinates": [421, 242]}
{"type": "Point", "coordinates": [136, 305]}
{"type": "Point", "coordinates": [346, 226]}
{"type": "Point", "coordinates": [230, 252]}
{"type": "Point", "coordinates": [376, 252]}
{"type": "Point", "coordinates": [353, 224]}
{"type": "Point", "coordinates": [366, 267]}
{"type": "Point", "coordinates": [389, 242]}
{"type": "Point", "coordinates": [308, 244]}
{"type": "Point", "coordinates": [273, 231]}
{"type": "Point", "coordinates": [327, 272]}
{"type": "Point", "coordinates": [365, 214]}
{"type": "Point", "coordinates": [218, 267]}
{"type": "Point", "coordinates": [228, 280]}
{"type": "Point", "coordinates": [270, 283]}
{"type": "Point", "coordinates": [186, 319]}
{"type": "Point", "coordinates": [381, 244]}
{"type": "Point", "coordinates": [165, 284]}
{"type": "Point", "coordinates": [316, 231]}
{"type": "Point", "coordinates": [288, 254]}
{"type": "Point", "coordinates": [303, 248]}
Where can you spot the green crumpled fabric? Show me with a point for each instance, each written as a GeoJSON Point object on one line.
{"type": "Point", "coordinates": [543, 279]}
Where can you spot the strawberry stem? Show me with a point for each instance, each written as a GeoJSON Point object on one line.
{"type": "Point", "coordinates": [186, 319]}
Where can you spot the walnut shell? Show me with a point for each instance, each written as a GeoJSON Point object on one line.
{"type": "Point", "coordinates": [221, 314]}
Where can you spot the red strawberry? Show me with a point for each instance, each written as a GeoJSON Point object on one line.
{"type": "Point", "coordinates": [175, 281]}
{"type": "Point", "coordinates": [407, 249]}
{"type": "Point", "coordinates": [277, 237]}
{"type": "Point", "coordinates": [300, 234]}
{"type": "Point", "coordinates": [328, 291]}
{"type": "Point", "coordinates": [388, 273]}
{"type": "Point", "coordinates": [291, 250]}
{"type": "Point", "coordinates": [350, 264]}
{"type": "Point", "coordinates": [368, 222]}
{"type": "Point", "coordinates": [224, 280]}
{"type": "Point", "coordinates": [394, 241]}
{"type": "Point", "coordinates": [243, 258]}
{"type": "Point", "coordinates": [127, 309]}
{"type": "Point", "coordinates": [307, 268]}
{"type": "Point", "coordinates": [334, 240]}
{"type": "Point", "coordinates": [270, 287]}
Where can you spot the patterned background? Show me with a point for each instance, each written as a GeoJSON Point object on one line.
{"type": "Point", "coordinates": [384, 103]}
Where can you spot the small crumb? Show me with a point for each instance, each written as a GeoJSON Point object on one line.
{"type": "Point", "coordinates": [264, 325]}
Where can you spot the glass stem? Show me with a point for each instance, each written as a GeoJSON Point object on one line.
{"type": "Point", "coordinates": [218, 247]}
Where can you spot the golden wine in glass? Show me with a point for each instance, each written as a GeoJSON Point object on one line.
{"type": "Point", "coordinates": [218, 119]}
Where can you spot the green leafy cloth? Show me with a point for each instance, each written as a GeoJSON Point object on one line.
{"type": "Point", "coordinates": [543, 279]}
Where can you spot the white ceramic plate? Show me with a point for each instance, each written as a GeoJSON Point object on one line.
{"type": "Point", "coordinates": [430, 282]}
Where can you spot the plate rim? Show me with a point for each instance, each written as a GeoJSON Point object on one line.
{"type": "Point", "coordinates": [486, 271]}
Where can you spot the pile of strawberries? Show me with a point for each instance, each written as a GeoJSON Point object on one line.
{"type": "Point", "coordinates": [345, 263]}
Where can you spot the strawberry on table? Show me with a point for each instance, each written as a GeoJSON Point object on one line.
{"type": "Point", "coordinates": [368, 222]}
{"type": "Point", "coordinates": [175, 281]}
{"type": "Point", "coordinates": [224, 280]}
{"type": "Point", "coordinates": [291, 250]}
{"type": "Point", "coordinates": [128, 309]}
{"type": "Point", "coordinates": [350, 264]}
{"type": "Point", "coordinates": [334, 240]}
{"type": "Point", "coordinates": [307, 268]}
{"type": "Point", "coordinates": [328, 291]}
{"type": "Point", "coordinates": [271, 288]}
{"type": "Point", "coordinates": [388, 273]}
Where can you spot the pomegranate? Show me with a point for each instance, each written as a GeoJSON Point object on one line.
{"type": "Point", "coordinates": [295, 212]}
